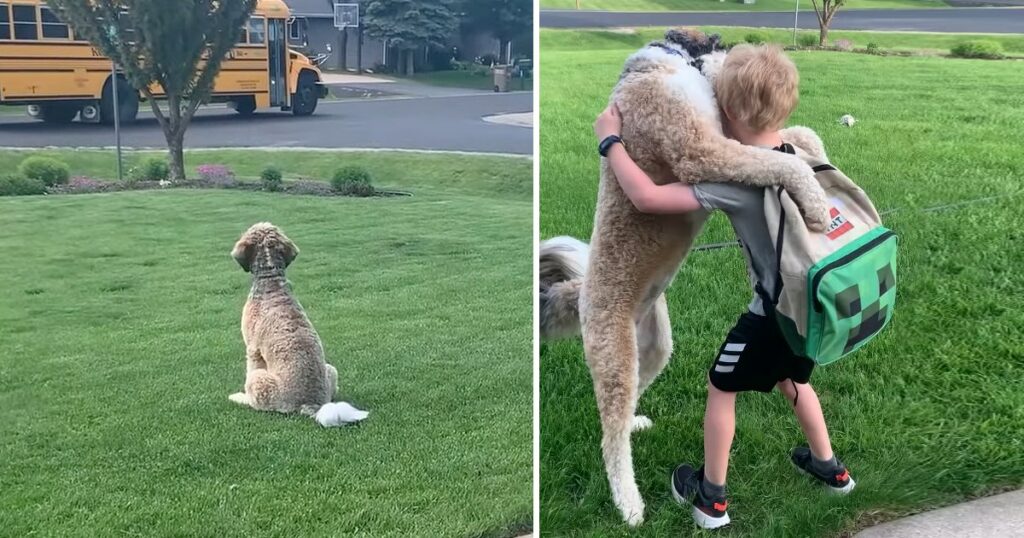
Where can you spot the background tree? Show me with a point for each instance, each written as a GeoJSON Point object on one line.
{"type": "Point", "coordinates": [825, 13]}
{"type": "Point", "coordinates": [505, 19]}
{"type": "Point", "coordinates": [178, 44]}
{"type": "Point", "coordinates": [410, 25]}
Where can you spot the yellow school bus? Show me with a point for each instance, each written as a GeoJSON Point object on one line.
{"type": "Point", "coordinates": [60, 76]}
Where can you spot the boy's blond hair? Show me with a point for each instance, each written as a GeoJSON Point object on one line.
{"type": "Point", "coordinates": [758, 86]}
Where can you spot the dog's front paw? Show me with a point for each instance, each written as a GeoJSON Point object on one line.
{"type": "Point", "coordinates": [641, 423]}
{"type": "Point", "coordinates": [633, 510]}
{"type": "Point", "coordinates": [239, 398]}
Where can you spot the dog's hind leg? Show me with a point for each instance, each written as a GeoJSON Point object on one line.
{"type": "Point", "coordinates": [654, 339]}
{"type": "Point", "coordinates": [610, 342]}
{"type": "Point", "coordinates": [263, 389]}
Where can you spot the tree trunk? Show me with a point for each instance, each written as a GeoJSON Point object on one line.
{"type": "Point", "coordinates": [359, 50]}
{"type": "Point", "coordinates": [823, 35]}
{"type": "Point", "coordinates": [175, 134]}
{"type": "Point", "coordinates": [410, 62]}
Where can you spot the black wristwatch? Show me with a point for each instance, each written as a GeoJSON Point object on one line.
{"type": "Point", "coordinates": [607, 144]}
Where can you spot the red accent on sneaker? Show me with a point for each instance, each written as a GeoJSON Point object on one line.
{"type": "Point", "coordinates": [843, 477]}
{"type": "Point", "coordinates": [721, 506]}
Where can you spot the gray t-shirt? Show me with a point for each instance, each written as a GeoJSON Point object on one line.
{"type": "Point", "coordinates": [744, 205]}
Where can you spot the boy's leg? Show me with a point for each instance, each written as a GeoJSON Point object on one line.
{"type": "Point", "coordinates": [808, 412]}
{"type": "Point", "coordinates": [719, 429]}
{"type": "Point", "coordinates": [817, 461]}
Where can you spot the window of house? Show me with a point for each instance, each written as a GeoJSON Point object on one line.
{"type": "Point", "coordinates": [294, 31]}
{"type": "Point", "coordinates": [25, 22]}
{"type": "Point", "coordinates": [53, 28]}
{"type": "Point", "coordinates": [257, 31]}
{"type": "Point", "coordinates": [5, 22]}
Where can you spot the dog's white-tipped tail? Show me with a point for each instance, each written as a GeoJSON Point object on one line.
{"type": "Point", "coordinates": [338, 414]}
{"type": "Point", "coordinates": [563, 262]}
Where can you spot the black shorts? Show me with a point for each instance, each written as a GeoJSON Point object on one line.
{"type": "Point", "coordinates": [755, 356]}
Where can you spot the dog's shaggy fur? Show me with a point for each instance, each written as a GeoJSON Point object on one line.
{"type": "Point", "coordinates": [671, 128]}
{"type": "Point", "coordinates": [285, 367]}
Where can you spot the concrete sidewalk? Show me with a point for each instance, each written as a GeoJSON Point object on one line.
{"type": "Point", "coordinates": [999, 516]}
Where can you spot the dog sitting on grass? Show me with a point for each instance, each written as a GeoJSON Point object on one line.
{"type": "Point", "coordinates": [285, 367]}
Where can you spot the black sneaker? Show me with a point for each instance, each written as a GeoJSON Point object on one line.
{"type": "Point", "coordinates": [837, 479]}
{"type": "Point", "coordinates": [707, 513]}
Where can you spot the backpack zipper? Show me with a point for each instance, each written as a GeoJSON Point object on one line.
{"type": "Point", "coordinates": [816, 282]}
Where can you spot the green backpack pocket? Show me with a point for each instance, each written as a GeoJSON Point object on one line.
{"type": "Point", "coordinates": [851, 296]}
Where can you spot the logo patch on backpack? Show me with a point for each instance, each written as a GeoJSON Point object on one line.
{"type": "Point", "coordinates": [839, 225]}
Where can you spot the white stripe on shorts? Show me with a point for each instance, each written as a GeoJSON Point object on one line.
{"type": "Point", "coordinates": [738, 347]}
{"type": "Point", "coordinates": [728, 359]}
{"type": "Point", "coordinates": [724, 369]}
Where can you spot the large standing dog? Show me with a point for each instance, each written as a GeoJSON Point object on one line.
{"type": "Point", "coordinates": [285, 367]}
{"type": "Point", "coordinates": [671, 128]}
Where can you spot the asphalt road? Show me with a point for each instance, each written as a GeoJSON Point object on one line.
{"type": "Point", "coordinates": [434, 123]}
{"type": "Point", "coordinates": [964, 20]}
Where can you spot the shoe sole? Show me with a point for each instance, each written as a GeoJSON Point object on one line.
{"type": "Point", "coordinates": [702, 520]}
{"type": "Point", "coordinates": [832, 490]}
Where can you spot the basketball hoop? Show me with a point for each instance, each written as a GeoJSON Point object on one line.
{"type": "Point", "coordinates": [346, 15]}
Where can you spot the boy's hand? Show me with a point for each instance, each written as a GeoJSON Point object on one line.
{"type": "Point", "coordinates": [608, 123]}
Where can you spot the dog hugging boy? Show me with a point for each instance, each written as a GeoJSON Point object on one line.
{"type": "Point", "coordinates": [757, 90]}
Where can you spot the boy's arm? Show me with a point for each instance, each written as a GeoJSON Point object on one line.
{"type": "Point", "coordinates": [646, 196]}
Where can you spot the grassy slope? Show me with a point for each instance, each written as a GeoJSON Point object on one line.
{"type": "Point", "coordinates": [121, 344]}
{"type": "Point", "coordinates": [928, 414]}
{"type": "Point", "coordinates": [727, 5]}
{"type": "Point", "coordinates": [604, 40]}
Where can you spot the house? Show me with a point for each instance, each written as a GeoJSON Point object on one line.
{"type": "Point", "coordinates": [319, 17]}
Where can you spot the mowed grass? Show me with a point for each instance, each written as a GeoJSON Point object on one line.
{"type": "Point", "coordinates": [898, 41]}
{"type": "Point", "coordinates": [120, 344]}
{"type": "Point", "coordinates": [930, 413]}
{"type": "Point", "coordinates": [728, 5]}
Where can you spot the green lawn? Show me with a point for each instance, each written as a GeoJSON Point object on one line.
{"type": "Point", "coordinates": [929, 414]}
{"type": "Point", "coordinates": [727, 5]}
{"type": "Point", "coordinates": [121, 343]}
{"type": "Point", "coordinates": [633, 39]}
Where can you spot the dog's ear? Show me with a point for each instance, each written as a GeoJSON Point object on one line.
{"type": "Point", "coordinates": [715, 41]}
{"type": "Point", "coordinates": [243, 253]}
{"type": "Point", "coordinates": [288, 251]}
{"type": "Point", "coordinates": [679, 36]}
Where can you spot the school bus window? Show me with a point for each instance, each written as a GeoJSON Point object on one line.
{"type": "Point", "coordinates": [25, 23]}
{"type": "Point", "coordinates": [243, 38]}
{"type": "Point", "coordinates": [257, 31]}
{"type": "Point", "coordinates": [293, 31]}
{"type": "Point", "coordinates": [52, 27]}
{"type": "Point", "coordinates": [5, 22]}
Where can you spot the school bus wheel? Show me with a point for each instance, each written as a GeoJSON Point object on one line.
{"type": "Point", "coordinates": [57, 112]}
{"type": "Point", "coordinates": [128, 98]}
{"type": "Point", "coordinates": [244, 105]}
{"type": "Point", "coordinates": [305, 99]}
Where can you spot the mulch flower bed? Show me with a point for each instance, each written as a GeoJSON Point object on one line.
{"type": "Point", "coordinates": [208, 180]}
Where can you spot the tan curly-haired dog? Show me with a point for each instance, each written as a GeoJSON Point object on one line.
{"type": "Point", "coordinates": [285, 368]}
{"type": "Point", "coordinates": [672, 129]}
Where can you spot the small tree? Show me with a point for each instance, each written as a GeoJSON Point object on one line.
{"type": "Point", "coordinates": [825, 13]}
{"type": "Point", "coordinates": [176, 44]}
{"type": "Point", "coordinates": [505, 19]}
{"type": "Point", "coordinates": [410, 25]}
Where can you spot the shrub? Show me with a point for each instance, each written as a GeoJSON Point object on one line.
{"type": "Point", "coordinates": [990, 50]}
{"type": "Point", "coordinates": [755, 38]}
{"type": "Point", "coordinates": [844, 45]}
{"type": "Point", "coordinates": [20, 186]}
{"type": "Point", "coordinates": [216, 175]}
{"type": "Point", "coordinates": [807, 40]}
{"type": "Point", "coordinates": [48, 171]}
{"type": "Point", "coordinates": [352, 181]}
{"type": "Point", "coordinates": [873, 48]}
{"type": "Point", "coordinates": [151, 169]}
{"type": "Point", "coordinates": [271, 178]}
